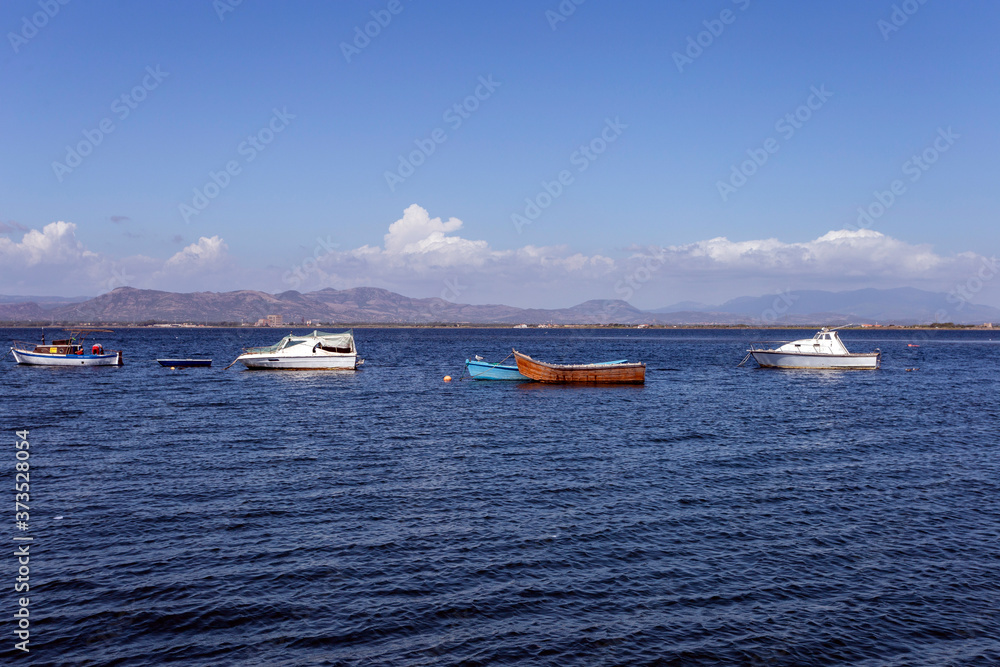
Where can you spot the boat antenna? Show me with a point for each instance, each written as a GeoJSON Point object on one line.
{"type": "Point", "coordinates": [842, 326]}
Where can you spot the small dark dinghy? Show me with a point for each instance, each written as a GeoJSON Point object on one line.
{"type": "Point", "coordinates": [184, 363]}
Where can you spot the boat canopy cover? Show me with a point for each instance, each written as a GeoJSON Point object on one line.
{"type": "Point", "coordinates": [343, 340]}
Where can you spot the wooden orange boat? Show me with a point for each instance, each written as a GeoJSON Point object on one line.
{"type": "Point", "coordinates": [607, 373]}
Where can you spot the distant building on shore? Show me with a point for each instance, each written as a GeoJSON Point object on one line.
{"type": "Point", "coordinates": [270, 321]}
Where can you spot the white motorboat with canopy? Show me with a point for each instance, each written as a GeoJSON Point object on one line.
{"type": "Point", "coordinates": [825, 350]}
{"type": "Point", "coordinates": [317, 351]}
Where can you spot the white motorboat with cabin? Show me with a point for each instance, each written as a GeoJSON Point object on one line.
{"type": "Point", "coordinates": [317, 351]}
{"type": "Point", "coordinates": [825, 350]}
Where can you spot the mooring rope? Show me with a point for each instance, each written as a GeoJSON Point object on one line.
{"type": "Point", "coordinates": [473, 377]}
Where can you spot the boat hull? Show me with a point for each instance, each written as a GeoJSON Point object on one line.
{"type": "Point", "coordinates": [312, 362]}
{"type": "Point", "coordinates": [634, 373]}
{"type": "Point", "coordinates": [38, 359]}
{"type": "Point", "coordinates": [774, 359]}
{"type": "Point", "coordinates": [480, 370]}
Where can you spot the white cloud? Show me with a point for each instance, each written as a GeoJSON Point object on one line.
{"type": "Point", "coordinates": [718, 269]}
{"type": "Point", "coordinates": [203, 265]}
{"type": "Point", "coordinates": [421, 258]}
{"type": "Point", "coordinates": [56, 243]}
{"type": "Point", "coordinates": [835, 255]}
{"type": "Point", "coordinates": [52, 261]}
{"type": "Point", "coordinates": [416, 232]}
{"type": "Point", "coordinates": [208, 253]}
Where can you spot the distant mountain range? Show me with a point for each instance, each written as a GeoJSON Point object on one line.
{"type": "Point", "coordinates": [903, 305]}
{"type": "Point", "coordinates": [49, 301]}
{"type": "Point", "coordinates": [370, 305]}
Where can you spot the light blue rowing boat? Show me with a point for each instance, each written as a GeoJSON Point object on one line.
{"type": "Point", "coordinates": [481, 370]}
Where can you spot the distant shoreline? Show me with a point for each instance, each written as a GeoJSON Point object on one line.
{"type": "Point", "coordinates": [376, 325]}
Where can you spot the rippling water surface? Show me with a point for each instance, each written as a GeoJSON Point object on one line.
{"type": "Point", "coordinates": [715, 515]}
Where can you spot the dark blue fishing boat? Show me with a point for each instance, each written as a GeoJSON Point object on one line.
{"type": "Point", "coordinates": [184, 363]}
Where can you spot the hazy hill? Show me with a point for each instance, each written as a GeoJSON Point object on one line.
{"type": "Point", "coordinates": [901, 305]}
{"type": "Point", "coordinates": [378, 306]}
{"type": "Point", "coordinates": [44, 301]}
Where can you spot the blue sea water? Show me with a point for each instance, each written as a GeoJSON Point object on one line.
{"type": "Point", "coordinates": [714, 516]}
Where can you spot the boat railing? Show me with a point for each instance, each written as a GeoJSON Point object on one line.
{"type": "Point", "coordinates": [26, 346]}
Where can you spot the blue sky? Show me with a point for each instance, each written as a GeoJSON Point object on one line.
{"type": "Point", "coordinates": [652, 212]}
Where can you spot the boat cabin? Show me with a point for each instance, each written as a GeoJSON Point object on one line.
{"type": "Point", "coordinates": [824, 342]}
{"type": "Point", "coordinates": [64, 346]}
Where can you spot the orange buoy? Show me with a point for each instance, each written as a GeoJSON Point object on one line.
{"type": "Point", "coordinates": [447, 378]}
